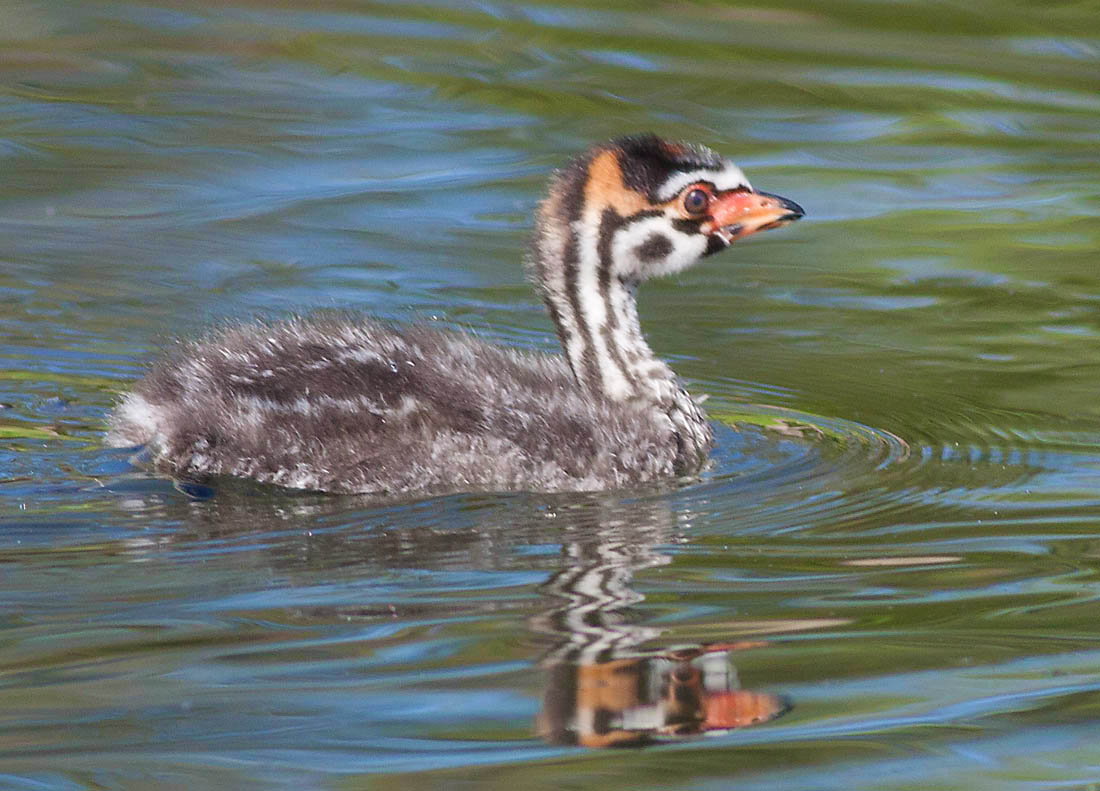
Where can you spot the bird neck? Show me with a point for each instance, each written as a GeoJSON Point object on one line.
{"type": "Point", "coordinates": [596, 316]}
{"type": "Point", "coordinates": [595, 312]}
{"type": "Point", "coordinates": [592, 304]}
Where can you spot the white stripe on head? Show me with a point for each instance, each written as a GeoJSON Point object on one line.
{"type": "Point", "coordinates": [729, 177]}
{"type": "Point", "coordinates": [681, 249]}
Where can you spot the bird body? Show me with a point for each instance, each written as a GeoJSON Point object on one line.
{"type": "Point", "coordinates": [336, 403]}
{"type": "Point", "coordinates": [344, 404]}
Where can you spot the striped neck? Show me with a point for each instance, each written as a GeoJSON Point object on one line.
{"type": "Point", "coordinates": [595, 311]}
{"type": "Point", "coordinates": [586, 266]}
{"type": "Point", "coordinates": [591, 300]}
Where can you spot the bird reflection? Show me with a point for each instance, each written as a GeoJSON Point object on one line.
{"type": "Point", "coordinates": [602, 689]}
{"type": "Point", "coordinates": [609, 680]}
{"type": "Point", "coordinates": [642, 699]}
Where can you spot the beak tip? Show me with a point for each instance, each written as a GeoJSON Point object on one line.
{"type": "Point", "coordinates": [794, 211]}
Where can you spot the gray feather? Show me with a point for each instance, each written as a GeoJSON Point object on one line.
{"type": "Point", "coordinates": [340, 405]}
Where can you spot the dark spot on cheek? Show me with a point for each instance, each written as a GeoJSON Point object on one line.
{"type": "Point", "coordinates": [655, 248]}
{"type": "Point", "coordinates": [715, 244]}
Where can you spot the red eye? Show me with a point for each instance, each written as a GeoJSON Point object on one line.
{"type": "Point", "coordinates": [696, 201]}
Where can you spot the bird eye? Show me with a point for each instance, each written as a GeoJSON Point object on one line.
{"type": "Point", "coordinates": [695, 201]}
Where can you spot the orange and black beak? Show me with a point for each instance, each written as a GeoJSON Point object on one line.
{"type": "Point", "coordinates": [738, 213]}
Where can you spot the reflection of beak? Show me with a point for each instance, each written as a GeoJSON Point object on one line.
{"type": "Point", "coordinates": [738, 213]}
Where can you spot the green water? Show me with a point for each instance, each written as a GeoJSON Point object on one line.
{"type": "Point", "coordinates": [897, 548]}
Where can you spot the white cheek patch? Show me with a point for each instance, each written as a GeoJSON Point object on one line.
{"type": "Point", "coordinates": [652, 247]}
{"type": "Point", "coordinates": [728, 177]}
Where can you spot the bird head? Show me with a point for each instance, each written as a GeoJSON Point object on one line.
{"type": "Point", "coordinates": [639, 207]}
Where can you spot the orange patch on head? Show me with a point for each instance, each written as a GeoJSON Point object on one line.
{"type": "Point", "coordinates": [605, 188]}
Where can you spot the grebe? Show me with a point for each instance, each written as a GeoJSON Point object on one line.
{"type": "Point", "coordinates": [343, 404]}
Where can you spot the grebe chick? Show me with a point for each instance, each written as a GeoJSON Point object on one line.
{"type": "Point", "coordinates": [349, 405]}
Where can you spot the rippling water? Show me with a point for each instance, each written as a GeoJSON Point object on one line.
{"type": "Point", "coordinates": [887, 580]}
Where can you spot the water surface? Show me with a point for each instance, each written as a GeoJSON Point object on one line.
{"type": "Point", "coordinates": [888, 579]}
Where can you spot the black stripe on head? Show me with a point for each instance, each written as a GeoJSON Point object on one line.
{"type": "Point", "coordinates": [573, 180]}
{"type": "Point", "coordinates": [610, 222]}
{"type": "Point", "coordinates": [643, 215]}
{"type": "Point", "coordinates": [647, 161]}
{"type": "Point", "coordinates": [686, 226]}
{"type": "Point", "coordinates": [569, 183]}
